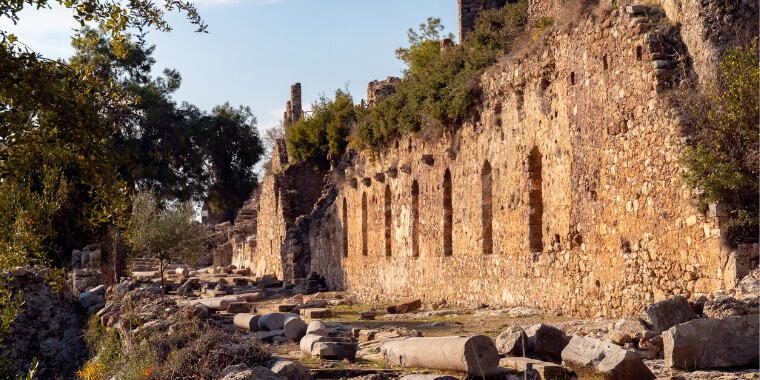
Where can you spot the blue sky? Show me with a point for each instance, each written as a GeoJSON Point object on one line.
{"type": "Point", "coordinates": [256, 49]}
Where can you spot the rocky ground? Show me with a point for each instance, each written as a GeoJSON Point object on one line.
{"type": "Point", "coordinates": [322, 334]}
{"type": "Point", "coordinates": [230, 322]}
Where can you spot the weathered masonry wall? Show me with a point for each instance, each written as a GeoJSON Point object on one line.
{"type": "Point", "coordinates": [288, 191]}
{"type": "Point", "coordinates": [565, 194]}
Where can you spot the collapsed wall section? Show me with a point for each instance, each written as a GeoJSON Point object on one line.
{"type": "Point", "coordinates": [565, 194]}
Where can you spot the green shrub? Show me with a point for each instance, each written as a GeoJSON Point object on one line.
{"type": "Point", "coordinates": [439, 89]}
{"type": "Point", "coordinates": [325, 131]}
{"type": "Point", "coordinates": [721, 159]}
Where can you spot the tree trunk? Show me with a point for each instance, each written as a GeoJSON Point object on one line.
{"type": "Point", "coordinates": [161, 270]}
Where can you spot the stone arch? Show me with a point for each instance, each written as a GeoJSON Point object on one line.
{"type": "Point", "coordinates": [388, 219]}
{"type": "Point", "coordinates": [486, 192]}
{"type": "Point", "coordinates": [448, 215]}
{"type": "Point", "coordinates": [535, 201]}
{"type": "Point", "coordinates": [415, 219]}
{"type": "Point", "coordinates": [364, 224]}
{"type": "Point", "coordinates": [345, 227]}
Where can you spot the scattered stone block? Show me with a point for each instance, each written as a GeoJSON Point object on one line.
{"type": "Point", "coordinates": [476, 355]}
{"type": "Point", "coordinates": [237, 307]}
{"type": "Point", "coordinates": [725, 306]}
{"type": "Point", "coordinates": [513, 341]}
{"type": "Point", "coordinates": [242, 372]}
{"type": "Point", "coordinates": [270, 336]}
{"type": "Point", "coordinates": [405, 307]}
{"type": "Point", "coordinates": [665, 314]}
{"type": "Point", "coordinates": [619, 338]}
{"type": "Point", "coordinates": [334, 350]}
{"type": "Point", "coordinates": [709, 343]}
{"type": "Point", "coordinates": [248, 322]}
{"type": "Point", "coordinates": [93, 297]}
{"type": "Point", "coordinates": [366, 335]}
{"type": "Point", "coordinates": [271, 322]}
{"type": "Point", "coordinates": [316, 313]}
{"type": "Point", "coordinates": [632, 326]}
{"type": "Point", "coordinates": [294, 327]}
{"type": "Point", "coordinates": [593, 358]}
{"type": "Point", "coordinates": [291, 370]}
{"type": "Point", "coordinates": [540, 369]}
{"type": "Point", "coordinates": [242, 272]}
{"type": "Point", "coordinates": [547, 341]}
{"type": "Point", "coordinates": [183, 272]}
{"type": "Point", "coordinates": [419, 376]}
{"type": "Point", "coordinates": [239, 281]}
{"type": "Point", "coordinates": [286, 307]}
{"type": "Point", "coordinates": [367, 315]}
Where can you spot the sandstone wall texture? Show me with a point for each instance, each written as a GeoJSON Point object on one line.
{"type": "Point", "coordinates": [565, 194]}
{"type": "Point", "coordinates": [562, 192]}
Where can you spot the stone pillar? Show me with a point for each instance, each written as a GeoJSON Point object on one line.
{"type": "Point", "coordinates": [295, 100]}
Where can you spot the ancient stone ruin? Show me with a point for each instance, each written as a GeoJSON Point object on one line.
{"type": "Point", "coordinates": [563, 192]}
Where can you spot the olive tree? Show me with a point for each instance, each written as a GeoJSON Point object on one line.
{"type": "Point", "coordinates": [166, 232]}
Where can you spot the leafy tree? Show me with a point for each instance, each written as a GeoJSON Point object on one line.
{"type": "Point", "coordinates": [58, 182]}
{"type": "Point", "coordinates": [231, 148]}
{"type": "Point", "coordinates": [439, 89]}
{"type": "Point", "coordinates": [167, 232]}
{"type": "Point", "coordinates": [325, 131]}
{"type": "Point", "coordinates": [424, 46]}
{"type": "Point", "coordinates": [178, 151]}
{"type": "Point", "coordinates": [721, 160]}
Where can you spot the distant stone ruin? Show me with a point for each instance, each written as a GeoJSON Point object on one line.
{"type": "Point", "coordinates": [563, 192]}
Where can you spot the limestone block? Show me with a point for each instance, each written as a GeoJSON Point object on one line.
{"type": "Point", "coordinates": [405, 307]}
{"type": "Point", "coordinates": [367, 315]}
{"type": "Point", "coordinates": [334, 350]}
{"type": "Point", "coordinates": [513, 341]}
{"type": "Point", "coordinates": [316, 313]}
{"type": "Point", "coordinates": [540, 369]}
{"type": "Point", "coordinates": [594, 358]}
{"type": "Point", "coordinates": [547, 341]}
{"type": "Point", "coordinates": [291, 370]}
{"type": "Point", "coordinates": [663, 315]}
{"type": "Point", "coordinates": [237, 307]}
{"type": "Point", "coordinates": [420, 376]}
{"type": "Point", "coordinates": [708, 343]}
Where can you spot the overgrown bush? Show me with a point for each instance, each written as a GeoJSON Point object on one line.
{"type": "Point", "coordinates": [721, 159]}
{"type": "Point", "coordinates": [440, 88]}
{"type": "Point", "coordinates": [191, 350]}
{"type": "Point", "coordinates": [325, 131]}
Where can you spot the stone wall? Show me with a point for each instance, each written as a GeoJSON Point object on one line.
{"type": "Point", "coordinates": [563, 191]}
{"type": "Point", "coordinates": [564, 194]}
{"type": "Point", "coordinates": [48, 329]}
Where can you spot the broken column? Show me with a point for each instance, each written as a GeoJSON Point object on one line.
{"type": "Point", "coordinates": [248, 322]}
{"type": "Point", "coordinates": [294, 327]}
{"type": "Point", "coordinates": [476, 355]}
